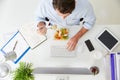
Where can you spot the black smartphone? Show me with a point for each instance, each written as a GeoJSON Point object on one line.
{"type": "Point", "coordinates": [89, 45]}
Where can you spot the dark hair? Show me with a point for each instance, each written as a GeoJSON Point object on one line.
{"type": "Point", "coordinates": [64, 6]}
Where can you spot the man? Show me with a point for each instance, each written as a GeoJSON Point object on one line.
{"type": "Point", "coordinates": [66, 13]}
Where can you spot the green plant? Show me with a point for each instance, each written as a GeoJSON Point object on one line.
{"type": "Point", "coordinates": [23, 72]}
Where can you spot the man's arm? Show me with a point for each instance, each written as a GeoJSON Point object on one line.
{"type": "Point", "coordinates": [89, 21]}
{"type": "Point", "coordinates": [40, 18]}
{"type": "Point", "coordinates": [71, 45]}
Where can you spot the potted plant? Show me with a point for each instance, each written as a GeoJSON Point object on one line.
{"type": "Point", "coordinates": [23, 72]}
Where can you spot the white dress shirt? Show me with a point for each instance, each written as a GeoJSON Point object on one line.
{"type": "Point", "coordinates": [83, 9]}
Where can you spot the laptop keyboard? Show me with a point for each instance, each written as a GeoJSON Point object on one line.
{"type": "Point", "coordinates": [61, 51]}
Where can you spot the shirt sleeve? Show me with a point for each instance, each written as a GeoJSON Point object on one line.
{"type": "Point", "coordinates": [90, 18]}
{"type": "Point", "coordinates": [40, 12]}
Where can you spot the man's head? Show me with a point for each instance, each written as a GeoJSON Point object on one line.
{"type": "Point", "coordinates": [64, 7]}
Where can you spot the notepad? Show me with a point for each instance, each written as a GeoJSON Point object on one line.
{"type": "Point", "coordinates": [29, 32]}
{"type": "Point", "coordinates": [20, 48]}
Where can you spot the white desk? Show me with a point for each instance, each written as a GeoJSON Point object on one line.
{"type": "Point", "coordinates": [40, 56]}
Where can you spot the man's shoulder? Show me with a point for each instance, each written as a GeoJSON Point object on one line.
{"type": "Point", "coordinates": [83, 3]}
{"type": "Point", "coordinates": [45, 2]}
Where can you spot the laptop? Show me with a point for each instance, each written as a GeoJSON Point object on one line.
{"type": "Point", "coordinates": [61, 51]}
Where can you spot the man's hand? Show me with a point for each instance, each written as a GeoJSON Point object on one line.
{"type": "Point", "coordinates": [41, 28]}
{"type": "Point", "coordinates": [71, 45]}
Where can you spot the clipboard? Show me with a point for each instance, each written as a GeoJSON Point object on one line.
{"type": "Point", "coordinates": [21, 48]}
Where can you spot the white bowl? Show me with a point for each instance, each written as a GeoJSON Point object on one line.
{"type": "Point", "coordinates": [4, 70]}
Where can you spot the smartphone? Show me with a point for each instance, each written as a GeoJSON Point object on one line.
{"type": "Point", "coordinates": [89, 45]}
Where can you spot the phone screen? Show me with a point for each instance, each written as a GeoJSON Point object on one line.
{"type": "Point", "coordinates": [89, 45]}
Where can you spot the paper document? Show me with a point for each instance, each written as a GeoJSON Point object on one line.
{"type": "Point", "coordinates": [31, 36]}
{"type": "Point", "coordinates": [17, 44]}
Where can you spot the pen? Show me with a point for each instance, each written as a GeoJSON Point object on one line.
{"type": "Point", "coordinates": [15, 45]}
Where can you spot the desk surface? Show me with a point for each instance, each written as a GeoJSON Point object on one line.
{"type": "Point", "coordinates": [40, 56]}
